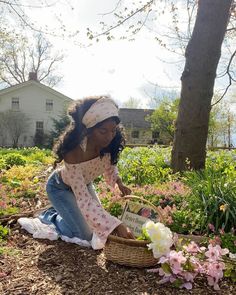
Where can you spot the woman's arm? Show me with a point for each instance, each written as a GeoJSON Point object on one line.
{"type": "Point", "coordinates": [124, 189]}
{"type": "Point", "coordinates": [112, 177]}
{"type": "Point", "coordinates": [124, 232]}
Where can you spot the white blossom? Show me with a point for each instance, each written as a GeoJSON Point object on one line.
{"type": "Point", "coordinates": [161, 238]}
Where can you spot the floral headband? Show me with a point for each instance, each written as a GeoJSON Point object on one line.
{"type": "Point", "coordinates": [101, 110]}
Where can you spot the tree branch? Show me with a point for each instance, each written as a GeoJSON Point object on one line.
{"type": "Point", "coordinates": [117, 4]}
{"type": "Point", "coordinates": [230, 78]}
{"type": "Point", "coordinates": [126, 19]}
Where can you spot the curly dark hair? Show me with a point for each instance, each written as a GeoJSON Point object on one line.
{"type": "Point", "coordinates": [76, 131]}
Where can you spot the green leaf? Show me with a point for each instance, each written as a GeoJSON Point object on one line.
{"type": "Point", "coordinates": [166, 268]}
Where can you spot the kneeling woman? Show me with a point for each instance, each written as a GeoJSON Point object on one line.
{"type": "Point", "coordinates": [89, 147]}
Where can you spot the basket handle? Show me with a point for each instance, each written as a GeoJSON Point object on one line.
{"type": "Point", "coordinates": [156, 209]}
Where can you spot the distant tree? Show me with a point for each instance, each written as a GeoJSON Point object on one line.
{"type": "Point", "coordinates": [132, 103]}
{"type": "Point", "coordinates": [14, 125]}
{"type": "Point", "coordinates": [221, 126]}
{"type": "Point", "coordinates": [3, 131]}
{"type": "Point", "coordinates": [215, 128]}
{"type": "Point", "coordinates": [19, 56]}
{"type": "Point", "coordinates": [59, 125]}
{"type": "Point", "coordinates": [163, 119]}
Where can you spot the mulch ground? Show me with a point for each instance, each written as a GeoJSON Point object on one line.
{"type": "Point", "coordinates": [31, 266]}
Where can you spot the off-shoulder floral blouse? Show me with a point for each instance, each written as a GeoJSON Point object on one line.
{"type": "Point", "coordinates": [77, 176]}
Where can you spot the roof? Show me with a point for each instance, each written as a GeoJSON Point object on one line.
{"type": "Point", "coordinates": [36, 83]}
{"type": "Point", "coordinates": [135, 118]}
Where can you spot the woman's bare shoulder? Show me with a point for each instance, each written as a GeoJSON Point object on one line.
{"type": "Point", "coordinates": [73, 157]}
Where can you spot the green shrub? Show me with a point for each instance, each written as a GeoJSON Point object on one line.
{"type": "Point", "coordinates": [144, 165]}
{"type": "Point", "coordinates": [182, 222]}
{"type": "Point", "coordinates": [14, 159]}
{"type": "Point", "coordinates": [2, 164]}
{"type": "Point", "coordinates": [8, 211]}
{"type": "Point", "coordinates": [214, 197]}
{"type": "Point", "coordinates": [3, 232]}
{"type": "Point", "coordinates": [228, 240]}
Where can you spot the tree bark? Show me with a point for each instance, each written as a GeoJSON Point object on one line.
{"type": "Point", "coordinates": [202, 56]}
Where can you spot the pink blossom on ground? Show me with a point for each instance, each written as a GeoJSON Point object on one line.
{"type": "Point", "coordinates": [187, 286]}
{"type": "Point", "coordinates": [214, 252]}
{"type": "Point", "coordinates": [176, 260]}
{"type": "Point", "coordinates": [215, 270]}
{"type": "Point", "coordinates": [192, 247]}
{"type": "Point", "coordinates": [211, 282]}
{"type": "Point", "coordinates": [215, 241]}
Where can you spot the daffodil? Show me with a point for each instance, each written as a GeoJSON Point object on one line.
{"type": "Point", "coordinates": [223, 207]}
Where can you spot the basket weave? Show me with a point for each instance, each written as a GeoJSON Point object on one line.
{"type": "Point", "coordinates": [130, 252]}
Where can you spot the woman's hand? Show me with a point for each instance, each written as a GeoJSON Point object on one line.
{"type": "Point", "coordinates": [124, 189]}
{"type": "Point", "coordinates": [124, 232]}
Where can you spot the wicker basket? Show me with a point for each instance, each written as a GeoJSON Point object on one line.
{"type": "Point", "coordinates": [130, 252]}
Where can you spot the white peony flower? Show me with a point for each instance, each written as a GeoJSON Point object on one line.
{"type": "Point", "coordinates": [161, 238]}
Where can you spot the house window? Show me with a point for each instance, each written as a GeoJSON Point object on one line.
{"type": "Point", "coordinates": [155, 134]}
{"type": "Point", "coordinates": [15, 103]}
{"type": "Point", "coordinates": [135, 134]}
{"type": "Point", "coordinates": [39, 127]}
{"type": "Point", "coordinates": [49, 105]}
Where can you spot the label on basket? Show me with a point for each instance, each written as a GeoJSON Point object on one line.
{"type": "Point", "coordinates": [135, 215]}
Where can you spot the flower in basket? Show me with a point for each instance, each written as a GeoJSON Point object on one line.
{"type": "Point", "coordinates": [160, 236]}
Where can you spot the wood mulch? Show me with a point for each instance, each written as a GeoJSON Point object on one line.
{"type": "Point", "coordinates": [29, 266]}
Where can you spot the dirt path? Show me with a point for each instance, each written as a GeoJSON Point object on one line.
{"type": "Point", "coordinates": [43, 267]}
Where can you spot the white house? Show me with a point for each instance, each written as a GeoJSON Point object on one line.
{"type": "Point", "coordinates": [38, 102]}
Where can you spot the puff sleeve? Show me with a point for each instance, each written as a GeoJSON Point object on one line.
{"type": "Point", "coordinates": [98, 219]}
{"type": "Point", "coordinates": [111, 174]}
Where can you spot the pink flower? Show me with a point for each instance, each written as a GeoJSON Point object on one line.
{"type": "Point", "coordinates": [116, 198]}
{"type": "Point", "coordinates": [214, 271]}
{"type": "Point", "coordinates": [192, 248]}
{"type": "Point", "coordinates": [176, 260]}
{"type": "Point", "coordinates": [215, 241]}
{"type": "Point", "coordinates": [211, 282]}
{"type": "Point", "coordinates": [221, 231]}
{"type": "Point", "coordinates": [211, 227]}
{"type": "Point", "coordinates": [169, 220]}
{"type": "Point", "coordinates": [188, 276]}
{"type": "Point", "coordinates": [3, 205]}
{"type": "Point", "coordinates": [187, 286]}
{"type": "Point", "coordinates": [214, 252]}
{"type": "Point", "coordinates": [198, 268]}
{"type": "Point", "coordinates": [13, 201]}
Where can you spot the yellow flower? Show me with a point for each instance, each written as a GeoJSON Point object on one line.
{"type": "Point", "coordinates": [223, 207]}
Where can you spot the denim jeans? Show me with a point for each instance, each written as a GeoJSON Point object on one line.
{"type": "Point", "coordinates": [65, 213]}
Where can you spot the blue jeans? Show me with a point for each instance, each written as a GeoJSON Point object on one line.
{"type": "Point", "coordinates": [65, 213]}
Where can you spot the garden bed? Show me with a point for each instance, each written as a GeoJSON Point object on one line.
{"type": "Point", "coordinates": [60, 268]}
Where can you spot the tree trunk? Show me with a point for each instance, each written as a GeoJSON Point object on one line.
{"type": "Point", "coordinates": [202, 57]}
